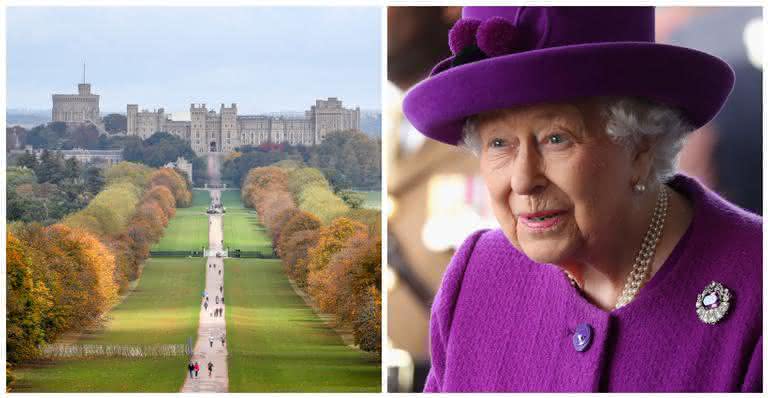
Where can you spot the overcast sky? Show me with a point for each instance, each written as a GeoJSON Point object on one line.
{"type": "Point", "coordinates": [265, 59]}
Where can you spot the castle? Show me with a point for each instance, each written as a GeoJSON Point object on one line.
{"type": "Point", "coordinates": [76, 108]}
{"type": "Point", "coordinates": [208, 131]}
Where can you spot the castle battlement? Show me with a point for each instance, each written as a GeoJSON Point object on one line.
{"type": "Point", "coordinates": [76, 108]}
{"type": "Point", "coordinates": [209, 131]}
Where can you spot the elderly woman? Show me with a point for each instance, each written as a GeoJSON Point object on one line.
{"type": "Point", "coordinates": [610, 272]}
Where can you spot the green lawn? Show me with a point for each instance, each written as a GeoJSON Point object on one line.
{"type": "Point", "coordinates": [372, 199]}
{"type": "Point", "coordinates": [242, 229]}
{"type": "Point", "coordinates": [163, 309]}
{"type": "Point", "coordinates": [231, 199]}
{"type": "Point", "coordinates": [188, 229]}
{"type": "Point", "coordinates": [277, 344]}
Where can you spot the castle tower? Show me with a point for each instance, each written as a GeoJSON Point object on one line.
{"type": "Point", "coordinates": [131, 116]}
{"type": "Point", "coordinates": [84, 89]}
{"type": "Point", "coordinates": [197, 129]}
{"type": "Point", "coordinates": [230, 137]}
{"type": "Point", "coordinates": [76, 108]}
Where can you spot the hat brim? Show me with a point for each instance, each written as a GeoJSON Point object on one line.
{"type": "Point", "coordinates": [693, 81]}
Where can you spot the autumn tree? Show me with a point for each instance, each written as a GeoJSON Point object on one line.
{"type": "Point", "coordinates": [175, 183]}
{"type": "Point", "coordinates": [296, 254]}
{"type": "Point", "coordinates": [322, 202]}
{"type": "Point", "coordinates": [301, 221]}
{"type": "Point", "coordinates": [28, 303]}
{"type": "Point", "coordinates": [330, 241]}
{"type": "Point", "coordinates": [135, 173]}
{"type": "Point", "coordinates": [302, 178]}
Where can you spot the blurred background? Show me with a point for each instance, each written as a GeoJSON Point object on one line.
{"type": "Point", "coordinates": [436, 196]}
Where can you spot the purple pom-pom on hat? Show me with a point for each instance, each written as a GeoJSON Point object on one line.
{"type": "Point", "coordinates": [462, 34]}
{"type": "Point", "coordinates": [497, 36]}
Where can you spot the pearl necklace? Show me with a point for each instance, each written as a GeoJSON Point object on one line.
{"type": "Point", "coordinates": [647, 250]}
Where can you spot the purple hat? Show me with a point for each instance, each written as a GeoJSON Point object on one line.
{"type": "Point", "coordinates": [511, 56]}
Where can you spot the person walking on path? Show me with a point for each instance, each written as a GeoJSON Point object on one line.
{"type": "Point", "coordinates": [210, 339]}
{"type": "Point", "coordinates": [210, 368]}
{"type": "Point", "coordinates": [197, 370]}
{"type": "Point", "coordinates": [205, 305]}
{"type": "Point", "coordinates": [217, 299]}
{"type": "Point", "coordinates": [190, 368]}
{"type": "Point", "coordinates": [222, 341]}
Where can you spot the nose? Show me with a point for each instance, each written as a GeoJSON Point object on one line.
{"type": "Point", "coordinates": [527, 175]}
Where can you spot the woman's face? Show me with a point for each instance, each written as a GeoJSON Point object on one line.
{"type": "Point", "coordinates": [558, 184]}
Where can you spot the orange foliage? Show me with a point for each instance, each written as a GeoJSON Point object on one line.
{"type": "Point", "coordinates": [78, 271]}
{"type": "Point", "coordinates": [331, 240]}
{"type": "Point", "coordinates": [295, 252]}
{"type": "Point", "coordinates": [260, 182]}
{"type": "Point", "coordinates": [300, 221]}
{"type": "Point", "coordinates": [164, 198]}
{"type": "Point", "coordinates": [170, 179]}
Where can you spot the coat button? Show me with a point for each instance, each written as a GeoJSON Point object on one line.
{"type": "Point", "coordinates": [582, 336]}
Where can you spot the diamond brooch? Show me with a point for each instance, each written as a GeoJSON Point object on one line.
{"type": "Point", "coordinates": [713, 303]}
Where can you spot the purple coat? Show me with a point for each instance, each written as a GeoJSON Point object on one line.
{"type": "Point", "coordinates": [501, 322]}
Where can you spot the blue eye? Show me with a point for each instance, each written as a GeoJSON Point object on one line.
{"type": "Point", "coordinates": [556, 138]}
{"type": "Point", "coordinates": [497, 143]}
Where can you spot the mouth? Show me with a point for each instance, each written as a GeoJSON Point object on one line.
{"type": "Point", "coordinates": [542, 220]}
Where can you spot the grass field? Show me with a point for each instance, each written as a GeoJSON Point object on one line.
{"type": "Point", "coordinates": [277, 344]}
{"type": "Point", "coordinates": [372, 199]}
{"type": "Point", "coordinates": [242, 229]}
{"type": "Point", "coordinates": [188, 229]}
{"type": "Point", "coordinates": [163, 309]}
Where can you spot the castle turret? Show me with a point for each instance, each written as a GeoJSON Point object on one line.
{"type": "Point", "coordinates": [84, 89]}
{"type": "Point", "coordinates": [131, 115]}
{"type": "Point", "coordinates": [230, 136]}
{"type": "Point", "coordinates": [197, 130]}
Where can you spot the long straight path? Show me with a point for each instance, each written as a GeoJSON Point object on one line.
{"type": "Point", "coordinates": [211, 335]}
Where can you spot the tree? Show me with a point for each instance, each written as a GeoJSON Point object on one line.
{"type": "Point", "coordinates": [330, 241]}
{"type": "Point", "coordinates": [27, 160]}
{"type": "Point", "coordinates": [28, 303]}
{"type": "Point", "coordinates": [133, 149]}
{"type": "Point", "coordinates": [115, 123]}
{"type": "Point", "coordinates": [321, 202]}
{"type": "Point", "coordinates": [71, 169]}
{"type": "Point", "coordinates": [354, 158]}
{"type": "Point", "coordinates": [237, 168]}
{"type": "Point", "coordinates": [300, 179]}
{"type": "Point", "coordinates": [50, 167]}
{"type": "Point", "coordinates": [296, 254]}
{"type": "Point", "coordinates": [279, 218]}
{"type": "Point", "coordinates": [301, 221]}
{"type": "Point", "coordinates": [84, 136]}
{"type": "Point", "coordinates": [367, 325]}
{"type": "Point", "coordinates": [94, 179]}
{"type": "Point", "coordinates": [134, 173]}
{"type": "Point", "coordinates": [353, 199]}
{"type": "Point", "coordinates": [175, 183]}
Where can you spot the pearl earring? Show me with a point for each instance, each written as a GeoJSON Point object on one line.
{"type": "Point", "coordinates": [639, 188]}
